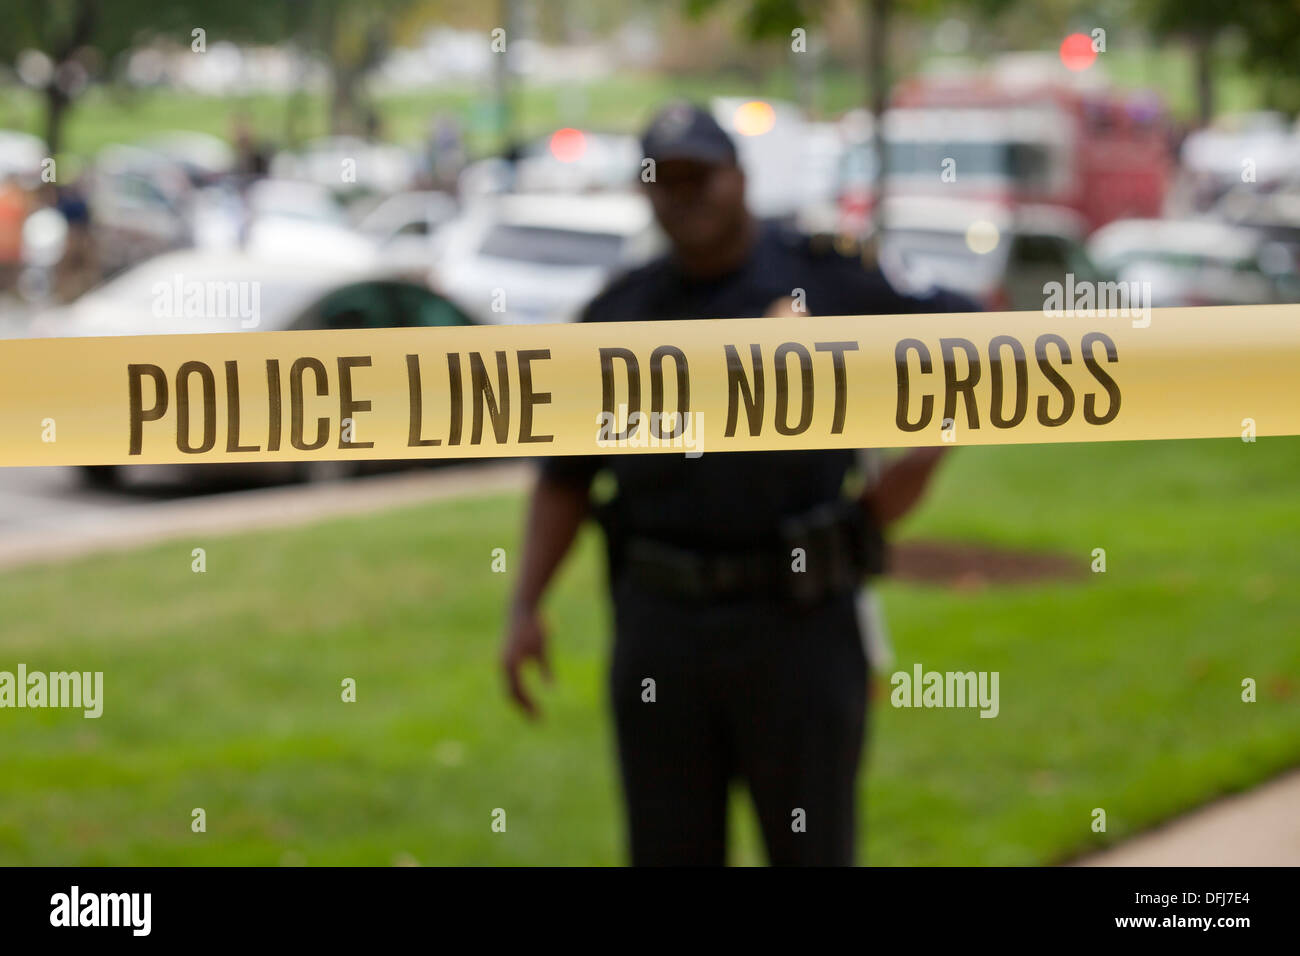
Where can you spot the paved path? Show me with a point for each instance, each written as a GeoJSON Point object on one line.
{"type": "Point", "coordinates": [54, 531]}
{"type": "Point", "coordinates": [1258, 828]}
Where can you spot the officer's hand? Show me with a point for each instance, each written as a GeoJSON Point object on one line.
{"type": "Point", "coordinates": [782, 308]}
{"type": "Point", "coordinates": [901, 484]}
{"type": "Point", "coordinates": [525, 638]}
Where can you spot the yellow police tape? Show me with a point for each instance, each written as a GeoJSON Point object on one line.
{"type": "Point", "coordinates": [771, 383]}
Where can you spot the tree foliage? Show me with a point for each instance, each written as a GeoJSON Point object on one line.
{"type": "Point", "coordinates": [83, 38]}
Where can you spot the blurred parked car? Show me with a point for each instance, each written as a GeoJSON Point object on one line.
{"type": "Point", "coordinates": [289, 295]}
{"type": "Point", "coordinates": [349, 164]}
{"type": "Point", "coordinates": [169, 191]}
{"type": "Point", "coordinates": [1273, 212]}
{"type": "Point", "coordinates": [1259, 145]}
{"type": "Point", "coordinates": [1196, 261]}
{"type": "Point", "coordinates": [541, 258]}
{"type": "Point", "coordinates": [404, 229]}
{"type": "Point", "coordinates": [484, 179]}
{"type": "Point", "coordinates": [567, 161]}
{"type": "Point", "coordinates": [574, 160]}
{"type": "Point", "coordinates": [999, 255]}
{"type": "Point", "coordinates": [141, 205]}
{"type": "Point", "coordinates": [255, 295]}
{"type": "Point", "coordinates": [205, 158]}
{"type": "Point", "coordinates": [302, 221]}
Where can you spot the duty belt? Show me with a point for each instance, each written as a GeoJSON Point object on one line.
{"type": "Point", "coordinates": [814, 556]}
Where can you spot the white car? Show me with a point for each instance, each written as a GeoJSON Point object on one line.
{"type": "Point", "coordinates": [193, 291]}
{"type": "Point", "coordinates": [205, 158]}
{"type": "Point", "coordinates": [571, 160]}
{"type": "Point", "coordinates": [567, 161]}
{"type": "Point", "coordinates": [522, 258]}
{"type": "Point", "coordinates": [998, 254]}
{"type": "Point", "coordinates": [1194, 261]}
{"type": "Point", "coordinates": [404, 228]}
{"type": "Point", "coordinates": [348, 164]}
{"type": "Point", "coordinates": [300, 220]}
{"type": "Point", "coordinates": [1216, 158]}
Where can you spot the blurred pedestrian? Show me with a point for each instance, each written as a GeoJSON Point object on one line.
{"type": "Point", "coordinates": [446, 151]}
{"type": "Point", "coordinates": [79, 268]}
{"type": "Point", "coordinates": [758, 670]}
{"type": "Point", "coordinates": [13, 212]}
{"type": "Point", "coordinates": [252, 156]}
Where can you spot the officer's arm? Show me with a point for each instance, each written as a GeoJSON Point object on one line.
{"type": "Point", "coordinates": [901, 484]}
{"type": "Point", "coordinates": [555, 511]}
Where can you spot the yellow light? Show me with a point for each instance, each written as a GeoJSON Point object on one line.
{"type": "Point", "coordinates": [982, 237]}
{"type": "Point", "coordinates": [754, 118]}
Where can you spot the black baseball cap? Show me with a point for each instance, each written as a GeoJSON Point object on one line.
{"type": "Point", "coordinates": [685, 131]}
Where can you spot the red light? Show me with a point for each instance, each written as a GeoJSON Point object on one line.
{"type": "Point", "coordinates": [1077, 53]}
{"type": "Point", "coordinates": [568, 145]}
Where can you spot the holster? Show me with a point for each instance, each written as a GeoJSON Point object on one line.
{"type": "Point", "coordinates": [823, 552]}
{"type": "Point", "coordinates": [841, 544]}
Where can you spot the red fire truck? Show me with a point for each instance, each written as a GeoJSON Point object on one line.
{"type": "Point", "coordinates": [1105, 155]}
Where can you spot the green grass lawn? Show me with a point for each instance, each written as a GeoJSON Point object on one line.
{"type": "Point", "coordinates": [620, 103]}
{"type": "Point", "coordinates": [222, 689]}
{"type": "Point", "coordinates": [623, 102]}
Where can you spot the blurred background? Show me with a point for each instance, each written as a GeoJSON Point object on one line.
{"type": "Point", "coordinates": [403, 162]}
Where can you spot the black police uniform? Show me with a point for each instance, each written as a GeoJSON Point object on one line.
{"type": "Point", "coordinates": [748, 684]}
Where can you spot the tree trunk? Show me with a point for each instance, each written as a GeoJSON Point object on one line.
{"type": "Point", "coordinates": [56, 105]}
{"type": "Point", "coordinates": [298, 19]}
{"type": "Point", "coordinates": [84, 20]}
{"type": "Point", "coordinates": [506, 14]}
{"type": "Point", "coordinates": [1203, 53]}
{"type": "Point", "coordinates": [343, 101]}
{"type": "Point", "coordinates": [876, 16]}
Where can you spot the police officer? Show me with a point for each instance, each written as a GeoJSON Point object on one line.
{"type": "Point", "coordinates": [730, 660]}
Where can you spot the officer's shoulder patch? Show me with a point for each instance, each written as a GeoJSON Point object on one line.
{"type": "Point", "coordinates": [840, 246]}
{"type": "Point", "coordinates": [818, 244]}
{"type": "Point", "coordinates": [826, 244]}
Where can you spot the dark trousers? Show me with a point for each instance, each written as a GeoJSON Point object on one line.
{"type": "Point", "coordinates": [758, 690]}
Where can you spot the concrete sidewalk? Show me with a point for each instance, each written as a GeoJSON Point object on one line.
{"type": "Point", "coordinates": [1258, 828]}
{"type": "Point", "coordinates": [256, 509]}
